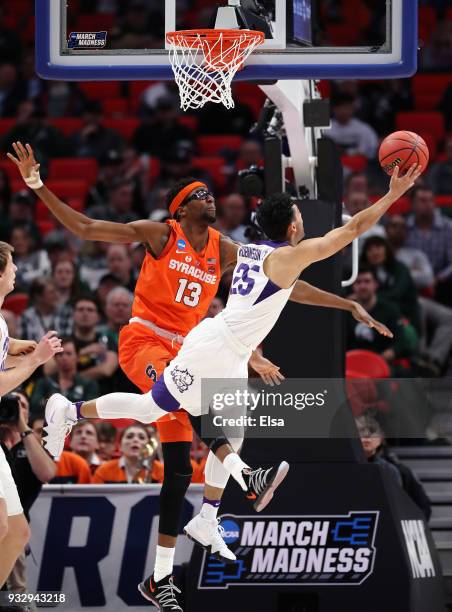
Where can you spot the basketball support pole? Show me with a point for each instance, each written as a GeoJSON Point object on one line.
{"type": "Point", "coordinates": [329, 477]}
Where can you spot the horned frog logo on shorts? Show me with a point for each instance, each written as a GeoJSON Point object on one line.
{"type": "Point", "coordinates": [182, 378]}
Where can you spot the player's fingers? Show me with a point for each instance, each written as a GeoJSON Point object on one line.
{"type": "Point", "coordinates": [395, 172]}
{"type": "Point", "coordinates": [49, 334]}
{"type": "Point", "coordinates": [17, 151]}
{"type": "Point", "coordinates": [22, 150]}
{"type": "Point", "coordinates": [12, 158]}
{"type": "Point", "coordinates": [280, 376]}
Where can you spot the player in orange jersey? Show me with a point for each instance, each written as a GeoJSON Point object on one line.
{"type": "Point", "coordinates": [184, 260]}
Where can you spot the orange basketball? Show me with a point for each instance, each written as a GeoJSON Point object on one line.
{"type": "Point", "coordinates": [402, 149]}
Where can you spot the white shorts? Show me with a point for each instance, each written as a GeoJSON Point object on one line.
{"type": "Point", "coordinates": [208, 351]}
{"type": "Point", "coordinates": [8, 489]}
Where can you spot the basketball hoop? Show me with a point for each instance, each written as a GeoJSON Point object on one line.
{"type": "Point", "coordinates": [204, 63]}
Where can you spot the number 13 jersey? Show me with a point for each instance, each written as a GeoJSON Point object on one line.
{"type": "Point", "coordinates": [175, 289]}
{"type": "Point", "coordinates": [254, 302]}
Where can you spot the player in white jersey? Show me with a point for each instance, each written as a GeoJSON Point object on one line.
{"type": "Point", "coordinates": [18, 360]}
{"type": "Point", "coordinates": [262, 282]}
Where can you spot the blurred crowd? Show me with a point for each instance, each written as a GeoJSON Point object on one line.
{"type": "Point", "coordinates": [128, 143]}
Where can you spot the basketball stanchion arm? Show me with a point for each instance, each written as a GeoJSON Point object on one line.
{"type": "Point", "coordinates": [289, 98]}
{"type": "Point", "coordinates": [355, 258]}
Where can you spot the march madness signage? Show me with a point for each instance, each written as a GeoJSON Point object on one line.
{"type": "Point", "coordinates": [308, 550]}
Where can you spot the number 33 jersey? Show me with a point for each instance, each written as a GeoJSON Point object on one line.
{"type": "Point", "coordinates": [174, 291]}
{"type": "Point", "coordinates": [254, 302]}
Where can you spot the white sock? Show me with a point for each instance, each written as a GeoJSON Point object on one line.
{"type": "Point", "coordinates": [129, 406]}
{"type": "Point", "coordinates": [164, 561]}
{"type": "Point", "coordinates": [234, 465]}
{"type": "Point", "coordinates": [209, 512]}
{"type": "Point", "coordinates": [215, 474]}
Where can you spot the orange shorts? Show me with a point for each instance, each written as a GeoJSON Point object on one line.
{"type": "Point", "coordinates": [143, 356]}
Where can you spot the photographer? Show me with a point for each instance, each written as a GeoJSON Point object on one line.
{"type": "Point", "coordinates": [14, 370]}
{"type": "Point", "coordinates": [31, 466]}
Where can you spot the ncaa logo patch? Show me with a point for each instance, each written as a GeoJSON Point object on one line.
{"type": "Point", "coordinates": [181, 244]}
{"type": "Point", "coordinates": [231, 531]}
{"type": "Point", "coordinates": [151, 372]}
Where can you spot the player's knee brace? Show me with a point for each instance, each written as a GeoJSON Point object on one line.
{"type": "Point", "coordinates": [178, 473]}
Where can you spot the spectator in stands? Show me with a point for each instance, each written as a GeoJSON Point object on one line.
{"type": "Point", "coordinates": [357, 182]}
{"type": "Point", "coordinates": [66, 380]}
{"type": "Point", "coordinates": [414, 259]}
{"type": "Point", "coordinates": [431, 232]}
{"type": "Point", "coordinates": [37, 88]}
{"type": "Point", "coordinates": [359, 336]}
{"type": "Point", "coordinates": [437, 53]}
{"type": "Point", "coordinates": [352, 135]}
{"type": "Point", "coordinates": [31, 467]}
{"type": "Point", "coordinates": [216, 119]}
{"type": "Point", "coordinates": [139, 28]}
{"type": "Point", "coordinates": [32, 263]}
{"type": "Point", "coordinates": [177, 163]}
{"type": "Point", "coordinates": [160, 130]}
{"type": "Point", "coordinates": [215, 306]}
{"type": "Point", "coordinates": [250, 154]}
{"type": "Point", "coordinates": [109, 170]}
{"type": "Point", "coordinates": [97, 357]}
{"type": "Point", "coordinates": [395, 283]}
{"type": "Point", "coordinates": [162, 90]}
{"type": "Point", "coordinates": [31, 126]}
{"type": "Point", "coordinates": [436, 318]}
{"type": "Point", "coordinates": [93, 258]}
{"type": "Point", "coordinates": [94, 139]}
{"type": "Point", "coordinates": [106, 438]}
{"type": "Point", "coordinates": [136, 464]}
{"type": "Point", "coordinates": [67, 283]}
{"type": "Point", "coordinates": [10, 42]}
{"type": "Point", "coordinates": [5, 193]}
{"type": "Point", "coordinates": [118, 309]}
{"type": "Point", "coordinates": [373, 441]}
{"type": "Point", "coordinates": [106, 284]}
{"type": "Point", "coordinates": [84, 443]}
{"type": "Point", "coordinates": [119, 263]}
{"type": "Point", "coordinates": [120, 203]}
{"type": "Point", "coordinates": [71, 469]}
{"type": "Point", "coordinates": [44, 314]}
{"type": "Point", "coordinates": [440, 176]}
{"type": "Point", "coordinates": [355, 202]}
{"type": "Point", "coordinates": [21, 212]}
{"type": "Point", "coordinates": [12, 89]}
{"type": "Point", "coordinates": [57, 251]}
{"type": "Point", "coordinates": [232, 217]}
{"type": "Point", "coordinates": [445, 106]}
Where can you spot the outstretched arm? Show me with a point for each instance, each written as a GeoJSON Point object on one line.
{"type": "Point", "coordinates": [304, 293]}
{"type": "Point", "coordinates": [316, 249]}
{"type": "Point", "coordinates": [77, 223]}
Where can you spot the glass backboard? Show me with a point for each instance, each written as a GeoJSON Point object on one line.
{"type": "Point", "coordinates": [300, 43]}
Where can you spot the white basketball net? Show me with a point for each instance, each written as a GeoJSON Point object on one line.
{"type": "Point", "coordinates": [203, 68]}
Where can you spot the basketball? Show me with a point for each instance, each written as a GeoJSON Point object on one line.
{"type": "Point", "coordinates": [402, 149]}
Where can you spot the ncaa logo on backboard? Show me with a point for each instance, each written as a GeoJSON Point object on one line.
{"type": "Point", "coordinates": [294, 550]}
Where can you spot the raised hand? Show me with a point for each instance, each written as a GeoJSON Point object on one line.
{"type": "Point", "coordinates": [399, 185]}
{"type": "Point", "coordinates": [24, 160]}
